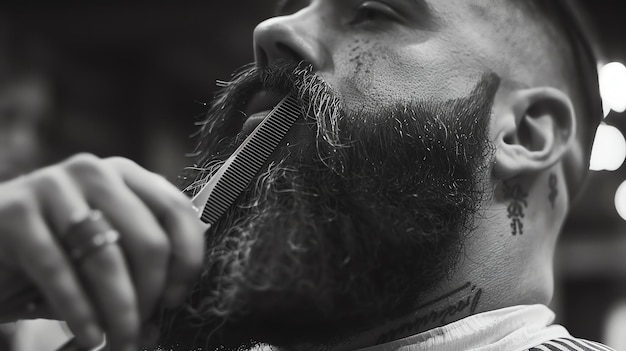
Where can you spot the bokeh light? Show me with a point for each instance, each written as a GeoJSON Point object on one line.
{"type": "Point", "coordinates": [620, 200]}
{"type": "Point", "coordinates": [609, 149]}
{"type": "Point", "coordinates": [612, 79]}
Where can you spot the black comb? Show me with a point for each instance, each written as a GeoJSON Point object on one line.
{"type": "Point", "coordinates": [240, 168]}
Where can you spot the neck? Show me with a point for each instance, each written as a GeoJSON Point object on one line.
{"type": "Point", "coordinates": [448, 307]}
{"type": "Point", "coordinates": [495, 272]}
{"type": "Point", "coordinates": [444, 307]}
{"type": "Point", "coordinates": [487, 279]}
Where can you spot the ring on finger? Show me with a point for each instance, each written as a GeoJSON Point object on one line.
{"type": "Point", "coordinates": [89, 235]}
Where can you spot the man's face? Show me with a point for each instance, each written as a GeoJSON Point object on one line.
{"type": "Point", "coordinates": [364, 206]}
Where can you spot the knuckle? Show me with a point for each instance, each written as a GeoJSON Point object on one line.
{"type": "Point", "coordinates": [173, 195]}
{"type": "Point", "coordinates": [82, 158]}
{"type": "Point", "coordinates": [51, 180]}
{"type": "Point", "coordinates": [86, 165]}
{"type": "Point", "coordinates": [19, 207]}
{"type": "Point", "coordinates": [121, 162]}
{"type": "Point", "coordinates": [92, 175]}
{"type": "Point", "coordinates": [18, 196]}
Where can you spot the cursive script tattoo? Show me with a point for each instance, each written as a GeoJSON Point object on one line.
{"type": "Point", "coordinates": [463, 299]}
{"type": "Point", "coordinates": [552, 183]}
{"type": "Point", "coordinates": [516, 207]}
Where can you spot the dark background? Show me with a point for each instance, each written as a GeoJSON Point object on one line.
{"type": "Point", "coordinates": [132, 79]}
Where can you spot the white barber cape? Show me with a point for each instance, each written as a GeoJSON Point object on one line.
{"type": "Point", "coordinates": [517, 328]}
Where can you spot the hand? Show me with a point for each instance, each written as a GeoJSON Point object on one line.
{"type": "Point", "coordinates": [115, 288]}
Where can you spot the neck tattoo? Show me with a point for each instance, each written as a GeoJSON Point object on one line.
{"type": "Point", "coordinates": [516, 208]}
{"type": "Point", "coordinates": [456, 304]}
{"type": "Point", "coordinates": [552, 183]}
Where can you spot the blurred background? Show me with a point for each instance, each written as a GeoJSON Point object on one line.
{"type": "Point", "coordinates": [131, 79]}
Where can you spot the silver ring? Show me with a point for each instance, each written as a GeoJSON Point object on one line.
{"type": "Point", "coordinates": [89, 235]}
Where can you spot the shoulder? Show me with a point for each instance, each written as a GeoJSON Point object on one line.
{"type": "Point", "coordinates": [570, 343]}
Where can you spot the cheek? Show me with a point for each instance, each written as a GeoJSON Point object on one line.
{"type": "Point", "coordinates": [368, 74]}
{"type": "Point", "coordinates": [357, 67]}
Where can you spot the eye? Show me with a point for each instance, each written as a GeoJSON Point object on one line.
{"type": "Point", "coordinates": [373, 11]}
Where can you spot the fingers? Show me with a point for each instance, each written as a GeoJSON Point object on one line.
{"type": "Point", "coordinates": [144, 242]}
{"type": "Point", "coordinates": [113, 290]}
{"type": "Point", "coordinates": [53, 274]}
{"type": "Point", "coordinates": [117, 286]}
{"type": "Point", "coordinates": [103, 272]}
{"type": "Point", "coordinates": [177, 216]}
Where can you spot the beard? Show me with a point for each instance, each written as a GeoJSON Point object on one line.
{"type": "Point", "coordinates": [340, 234]}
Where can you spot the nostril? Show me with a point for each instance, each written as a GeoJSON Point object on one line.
{"type": "Point", "coordinates": [286, 52]}
{"type": "Point", "coordinates": [261, 58]}
{"type": "Point", "coordinates": [279, 52]}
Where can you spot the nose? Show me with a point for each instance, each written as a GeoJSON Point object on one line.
{"type": "Point", "coordinates": [292, 38]}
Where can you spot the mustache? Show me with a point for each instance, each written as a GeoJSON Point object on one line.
{"type": "Point", "coordinates": [219, 133]}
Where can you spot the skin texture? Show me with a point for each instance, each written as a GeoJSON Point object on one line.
{"type": "Point", "coordinates": [377, 53]}
{"type": "Point", "coordinates": [370, 54]}
{"type": "Point", "coordinates": [115, 289]}
{"type": "Point", "coordinates": [372, 62]}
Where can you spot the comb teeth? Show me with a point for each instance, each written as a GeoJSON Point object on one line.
{"type": "Point", "coordinates": [248, 159]}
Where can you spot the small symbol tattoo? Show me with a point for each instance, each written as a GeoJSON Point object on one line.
{"type": "Point", "coordinates": [516, 207]}
{"type": "Point", "coordinates": [553, 188]}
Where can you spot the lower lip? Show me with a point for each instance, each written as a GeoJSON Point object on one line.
{"type": "Point", "coordinates": [253, 121]}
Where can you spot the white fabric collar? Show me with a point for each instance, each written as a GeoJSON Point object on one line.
{"type": "Point", "coordinates": [514, 328]}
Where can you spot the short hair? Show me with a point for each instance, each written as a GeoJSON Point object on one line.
{"type": "Point", "coordinates": [562, 22]}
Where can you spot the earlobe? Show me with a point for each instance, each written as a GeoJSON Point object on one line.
{"type": "Point", "coordinates": [534, 130]}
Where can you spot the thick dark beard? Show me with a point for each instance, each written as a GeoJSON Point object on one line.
{"type": "Point", "coordinates": [335, 238]}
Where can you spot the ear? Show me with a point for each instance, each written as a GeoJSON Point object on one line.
{"type": "Point", "coordinates": [534, 129]}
